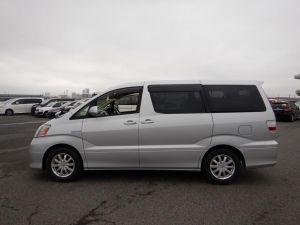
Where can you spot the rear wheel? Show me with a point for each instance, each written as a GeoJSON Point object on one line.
{"type": "Point", "coordinates": [221, 166]}
{"type": "Point", "coordinates": [9, 112]}
{"type": "Point", "coordinates": [63, 164]}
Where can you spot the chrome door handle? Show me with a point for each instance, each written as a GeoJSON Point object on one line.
{"type": "Point", "coordinates": [129, 122]}
{"type": "Point", "coordinates": [146, 121]}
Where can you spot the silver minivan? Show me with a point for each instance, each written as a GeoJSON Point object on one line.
{"type": "Point", "coordinates": [217, 127]}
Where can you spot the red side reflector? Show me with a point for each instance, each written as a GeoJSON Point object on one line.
{"type": "Point", "coordinates": [272, 126]}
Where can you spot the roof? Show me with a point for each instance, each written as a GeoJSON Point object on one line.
{"type": "Point", "coordinates": [225, 82]}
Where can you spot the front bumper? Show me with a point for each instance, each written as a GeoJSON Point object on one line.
{"type": "Point", "coordinates": [36, 151]}
{"type": "Point", "coordinates": [38, 113]}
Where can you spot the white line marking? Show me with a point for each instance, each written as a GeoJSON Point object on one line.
{"type": "Point", "coordinates": [30, 122]}
{"type": "Point", "coordinates": [14, 149]}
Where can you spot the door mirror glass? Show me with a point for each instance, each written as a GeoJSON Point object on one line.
{"type": "Point", "coordinates": [93, 111]}
{"type": "Point", "coordinates": [96, 112]}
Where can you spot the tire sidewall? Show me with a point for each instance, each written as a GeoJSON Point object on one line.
{"type": "Point", "coordinates": [78, 166]}
{"type": "Point", "coordinates": [9, 112]}
{"type": "Point", "coordinates": [206, 166]}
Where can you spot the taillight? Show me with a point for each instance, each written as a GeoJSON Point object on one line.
{"type": "Point", "coordinates": [272, 126]}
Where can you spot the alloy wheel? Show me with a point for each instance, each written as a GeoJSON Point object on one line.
{"type": "Point", "coordinates": [222, 167]}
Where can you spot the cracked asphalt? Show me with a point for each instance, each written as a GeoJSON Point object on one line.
{"type": "Point", "coordinates": [260, 196]}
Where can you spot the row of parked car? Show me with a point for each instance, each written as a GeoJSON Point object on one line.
{"type": "Point", "coordinates": [39, 106]}
{"type": "Point", "coordinates": [283, 109]}
{"type": "Point", "coordinates": [286, 110]}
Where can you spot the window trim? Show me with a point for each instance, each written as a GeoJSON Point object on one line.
{"type": "Point", "coordinates": [179, 88]}
{"type": "Point", "coordinates": [94, 102]}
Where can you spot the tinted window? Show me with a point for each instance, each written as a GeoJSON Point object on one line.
{"type": "Point", "coordinates": [234, 98]}
{"type": "Point", "coordinates": [176, 99]}
{"type": "Point", "coordinates": [280, 105]}
{"type": "Point", "coordinates": [32, 101]}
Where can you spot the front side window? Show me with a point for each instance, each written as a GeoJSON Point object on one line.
{"type": "Point", "coordinates": [117, 102]}
{"type": "Point", "coordinates": [124, 101]}
{"type": "Point", "coordinates": [20, 101]}
{"type": "Point", "coordinates": [176, 99]}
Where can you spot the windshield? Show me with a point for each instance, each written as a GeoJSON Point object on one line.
{"type": "Point", "coordinates": [44, 103]}
{"type": "Point", "coordinates": [280, 105]}
{"type": "Point", "coordinates": [51, 104]}
{"type": "Point", "coordinates": [76, 105]}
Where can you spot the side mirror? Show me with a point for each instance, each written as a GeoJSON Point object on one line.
{"type": "Point", "coordinates": [94, 111]}
{"type": "Point", "coordinates": [57, 114]}
{"type": "Point", "coordinates": [17, 103]}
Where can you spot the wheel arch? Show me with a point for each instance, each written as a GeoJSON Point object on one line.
{"type": "Point", "coordinates": [60, 146]}
{"type": "Point", "coordinates": [9, 109]}
{"type": "Point", "coordinates": [229, 147]}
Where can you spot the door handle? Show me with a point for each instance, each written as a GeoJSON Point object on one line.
{"type": "Point", "coordinates": [147, 121]}
{"type": "Point", "coordinates": [129, 122]}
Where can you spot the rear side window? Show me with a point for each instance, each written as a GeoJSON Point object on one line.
{"type": "Point", "coordinates": [176, 99]}
{"type": "Point", "coordinates": [234, 98]}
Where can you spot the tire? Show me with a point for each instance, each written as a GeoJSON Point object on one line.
{"type": "Point", "coordinates": [9, 112]}
{"type": "Point", "coordinates": [292, 118]}
{"type": "Point", "coordinates": [56, 158]}
{"type": "Point", "coordinates": [45, 114]}
{"type": "Point", "coordinates": [212, 169]}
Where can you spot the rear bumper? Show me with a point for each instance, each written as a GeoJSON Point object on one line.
{"type": "Point", "coordinates": [260, 154]}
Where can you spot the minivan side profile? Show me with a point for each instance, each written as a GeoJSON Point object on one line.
{"type": "Point", "coordinates": [18, 105]}
{"type": "Point", "coordinates": [218, 128]}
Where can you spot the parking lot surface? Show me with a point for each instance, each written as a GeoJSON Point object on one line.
{"type": "Point", "coordinates": [260, 196]}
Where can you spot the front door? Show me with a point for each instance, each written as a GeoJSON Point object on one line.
{"type": "Point", "coordinates": [111, 139]}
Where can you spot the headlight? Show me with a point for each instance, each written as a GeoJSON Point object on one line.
{"type": "Point", "coordinates": [43, 131]}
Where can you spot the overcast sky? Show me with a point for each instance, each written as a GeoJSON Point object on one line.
{"type": "Point", "coordinates": [52, 46]}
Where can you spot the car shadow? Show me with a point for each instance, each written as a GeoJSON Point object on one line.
{"type": "Point", "coordinates": [248, 177]}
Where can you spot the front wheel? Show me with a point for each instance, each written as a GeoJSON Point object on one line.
{"type": "Point", "coordinates": [9, 112]}
{"type": "Point", "coordinates": [221, 166]}
{"type": "Point", "coordinates": [63, 164]}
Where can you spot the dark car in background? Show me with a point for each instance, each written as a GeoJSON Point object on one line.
{"type": "Point", "coordinates": [286, 110]}
{"type": "Point", "coordinates": [48, 101]}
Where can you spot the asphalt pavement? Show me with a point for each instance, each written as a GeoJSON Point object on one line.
{"type": "Point", "coordinates": [261, 196]}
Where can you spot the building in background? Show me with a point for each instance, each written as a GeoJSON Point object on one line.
{"type": "Point", "coordinates": [75, 95]}
{"type": "Point", "coordinates": [86, 93]}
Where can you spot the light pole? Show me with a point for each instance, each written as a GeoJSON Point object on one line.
{"type": "Point", "coordinates": [297, 77]}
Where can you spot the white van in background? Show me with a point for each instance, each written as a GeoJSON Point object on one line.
{"type": "Point", "coordinates": [18, 105]}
